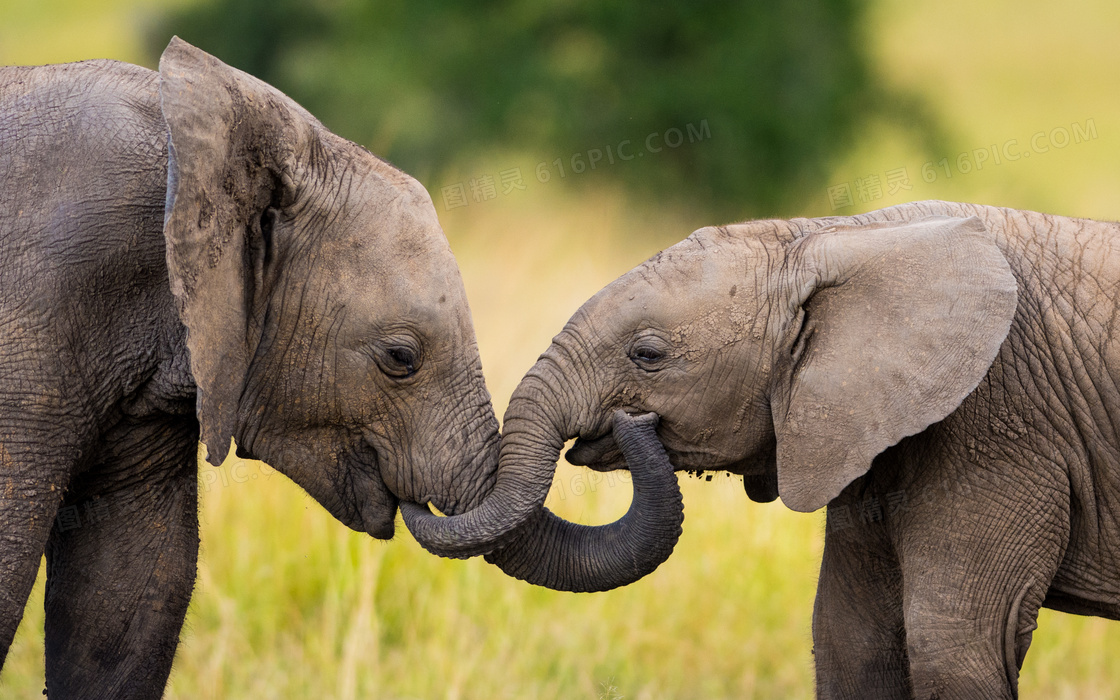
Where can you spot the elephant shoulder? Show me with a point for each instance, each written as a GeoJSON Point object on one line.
{"type": "Point", "coordinates": [84, 184]}
{"type": "Point", "coordinates": [77, 86]}
{"type": "Point", "coordinates": [99, 107]}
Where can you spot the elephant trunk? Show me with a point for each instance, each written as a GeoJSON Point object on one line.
{"type": "Point", "coordinates": [524, 476]}
{"type": "Point", "coordinates": [525, 539]}
{"type": "Point", "coordinates": [552, 552]}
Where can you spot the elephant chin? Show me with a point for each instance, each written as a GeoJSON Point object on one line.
{"type": "Point", "coordinates": [361, 500]}
{"type": "Point", "coordinates": [760, 478]}
{"type": "Point", "coordinates": [378, 521]}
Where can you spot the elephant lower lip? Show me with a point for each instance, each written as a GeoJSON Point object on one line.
{"type": "Point", "coordinates": [600, 454]}
{"type": "Point", "coordinates": [378, 522]}
{"type": "Point", "coordinates": [375, 504]}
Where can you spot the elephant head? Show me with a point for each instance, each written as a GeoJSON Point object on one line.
{"type": "Point", "coordinates": [790, 352]}
{"type": "Point", "coordinates": [329, 335]}
{"type": "Point", "coordinates": [327, 324]}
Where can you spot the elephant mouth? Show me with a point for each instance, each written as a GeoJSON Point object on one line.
{"type": "Point", "coordinates": [378, 500]}
{"type": "Point", "coordinates": [598, 453]}
{"type": "Point", "coordinates": [371, 507]}
{"type": "Point", "coordinates": [379, 521]}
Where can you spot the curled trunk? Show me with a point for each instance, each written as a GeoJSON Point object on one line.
{"type": "Point", "coordinates": [525, 470]}
{"type": "Point", "coordinates": [552, 552]}
{"type": "Point", "coordinates": [524, 538]}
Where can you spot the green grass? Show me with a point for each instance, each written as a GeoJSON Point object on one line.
{"type": "Point", "coordinates": [290, 604]}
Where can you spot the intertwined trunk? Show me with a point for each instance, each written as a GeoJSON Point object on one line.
{"type": "Point", "coordinates": [524, 538]}
{"type": "Point", "coordinates": [552, 552]}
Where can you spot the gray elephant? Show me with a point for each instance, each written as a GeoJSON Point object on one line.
{"type": "Point", "coordinates": [190, 252]}
{"type": "Point", "coordinates": [942, 376]}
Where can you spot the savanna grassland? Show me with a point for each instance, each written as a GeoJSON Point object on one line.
{"type": "Point", "coordinates": [290, 604]}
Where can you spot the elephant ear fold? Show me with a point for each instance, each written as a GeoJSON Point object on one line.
{"type": "Point", "coordinates": [231, 142]}
{"type": "Point", "coordinates": [895, 325]}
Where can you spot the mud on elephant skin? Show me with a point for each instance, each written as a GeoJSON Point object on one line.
{"type": "Point", "coordinates": [188, 252]}
{"type": "Point", "coordinates": [952, 365]}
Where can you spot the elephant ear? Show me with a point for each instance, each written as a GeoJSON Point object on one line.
{"type": "Point", "coordinates": [897, 325]}
{"type": "Point", "coordinates": [232, 140]}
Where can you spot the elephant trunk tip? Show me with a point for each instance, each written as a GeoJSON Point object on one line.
{"type": "Point", "coordinates": [470, 534]}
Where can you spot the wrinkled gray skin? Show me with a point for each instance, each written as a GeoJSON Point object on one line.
{"type": "Point", "coordinates": [942, 376]}
{"type": "Point", "coordinates": [315, 313]}
{"type": "Point", "coordinates": [191, 253]}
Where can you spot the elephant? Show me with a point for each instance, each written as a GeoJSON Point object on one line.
{"type": "Point", "coordinates": [190, 255]}
{"type": "Point", "coordinates": [942, 376]}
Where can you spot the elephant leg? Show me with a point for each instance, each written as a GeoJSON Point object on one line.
{"type": "Point", "coordinates": [121, 565]}
{"type": "Point", "coordinates": [977, 568]}
{"type": "Point", "coordinates": [858, 643]}
{"type": "Point", "coordinates": [32, 478]}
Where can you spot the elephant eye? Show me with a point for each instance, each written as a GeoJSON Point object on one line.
{"type": "Point", "coordinates": [399, 361]}
{"type": "Point", "coordinates": [647, 354]}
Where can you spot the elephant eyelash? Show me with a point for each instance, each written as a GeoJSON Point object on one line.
{"type": "Point", "coordinates": [398, 358]}
{"type": "Point", "coordinates": [649, 350]}
{"type": "Point", "coordinates": [647, 358]}
{"type": "Point", "coordinates": [403, 357]}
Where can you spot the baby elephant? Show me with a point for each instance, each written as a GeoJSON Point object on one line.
{"type": "Point", "coordinates": [190, 250]}
{"type": "Point", "coordinates": [944, 377]}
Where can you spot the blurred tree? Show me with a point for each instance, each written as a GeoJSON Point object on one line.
{"type": "Point", "coordinates": [781, 86]}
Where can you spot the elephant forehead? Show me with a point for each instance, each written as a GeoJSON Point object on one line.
{"type": "Point", "coordinates": [680, 282]}
{"type": "Point", "coordinates": [392, 246]}
{"type": "Point", "coordinates": [378, 213]}
{"type": "Point", "coordinates": [709, 262]}
{"type": "Point", "coordinates": [705, 294]}
{"type": "Point", "coordinates": [404, 228]}
{"type": "Point", "coordinates": [433, 305]}
{"type": "Point", "coordinates": [704, 315]}
{"type": "Point", "coordinates": [412, 288]}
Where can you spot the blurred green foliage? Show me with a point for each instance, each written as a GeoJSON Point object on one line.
{"type": "Point", "coordinates": [782, 85]}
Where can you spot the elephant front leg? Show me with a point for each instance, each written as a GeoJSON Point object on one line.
{"type": "Point", "coordinates": [31, 478]}
{"type": "Point", "coordinates": [978, 563]}
{"type": "Point", "coordinates": [858, 642]}
{"type": "Point", "coordinates": [121, 568]}
{"type": "Point", "coordinates": [967, 638]}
